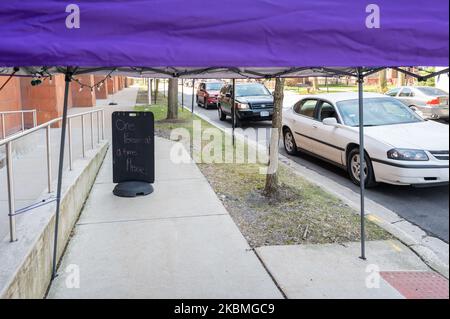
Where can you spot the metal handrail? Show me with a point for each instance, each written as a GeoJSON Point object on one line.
{"type": "Point", "coordinates": [8, 142]}
{"type": "Point", "coordinates": [22, 113]}
{"type": "Point", "coordinates": [19, 111]}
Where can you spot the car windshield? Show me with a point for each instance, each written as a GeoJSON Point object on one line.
{"type": "Point", "coordinates": [251, 90]}
{"type": "Point", "coordinates": [377, 111]}
{"type": "Point", "coordinates": [214, 86]}
{"type": "Point", "coordinates": [432, 91]}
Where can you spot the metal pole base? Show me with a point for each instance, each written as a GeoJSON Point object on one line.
{"type": "Point", "coordinates": [133, 189]}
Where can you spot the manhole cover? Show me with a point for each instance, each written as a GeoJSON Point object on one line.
{"type": "Point", "coordinates": [418, 285]}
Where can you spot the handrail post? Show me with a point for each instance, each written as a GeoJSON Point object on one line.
{"type": "Point", "coordinates": [49, 158]}
{"type": "Point", "coordinates": [83, 137]}
{"type": "Point", "coordinates": [34, 118]}
{"type": "Point", "coordinates": [23, 121]}
{"type": "Point", "coordinates": [11, 197]}
{"type": "Point", "coordinates": [3, 126]}
{"type": "Point", "coordinates": [98, 127]}
{"type": "Point", "coordinates": [103, 124]}
{"type": "Point", "coordinates": [92, 130]}
{"type": "Point", "coordinates": [69, 131]}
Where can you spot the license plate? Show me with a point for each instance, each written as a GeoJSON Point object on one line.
{"type": "Point", "coordinates": [264, 114]}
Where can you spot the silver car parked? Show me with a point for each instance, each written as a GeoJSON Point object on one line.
{"type": "Point", "coordinates": [429, 102]}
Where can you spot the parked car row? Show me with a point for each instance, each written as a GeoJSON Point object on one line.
{"type": "Point", "coordinates": [402, 146]}
{"type": "Point", "coordinates": [253, 101]}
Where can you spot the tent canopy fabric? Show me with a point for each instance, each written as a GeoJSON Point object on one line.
{"type": "Point", "coordinates": [191, 73]}
{"type": "Point", "coordinates": [253, 35]}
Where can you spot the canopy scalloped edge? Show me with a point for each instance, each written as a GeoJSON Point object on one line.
{"type": "Point", "coordinates": [210, 73]}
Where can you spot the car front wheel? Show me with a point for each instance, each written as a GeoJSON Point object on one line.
{"type": "Point", "coordinates": [289, 142]}
{"type": "Point", "coordinates": [354, 168]}
{"type": "Point", "coordinates": [222, 116]}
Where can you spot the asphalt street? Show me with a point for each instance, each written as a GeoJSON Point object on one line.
{"type": "Point", "coordinates": [427, 208]}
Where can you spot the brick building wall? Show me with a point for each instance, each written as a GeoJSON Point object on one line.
{"type": "Point", "coordinates": [10, 100]}
{"type": "Point", "coordinates": [48, 97]}
{"type": "Point", "coordinates": [83, 96]}
{"type": "Point", "coordinates": [103, 91]}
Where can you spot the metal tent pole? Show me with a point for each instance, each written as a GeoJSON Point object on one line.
{"type": "Point", "coordinates": [362, 176]}
{"type": "Point", "coordinates": [155, 84]}
{"type": "Point", "coordinates": [68, 79]}
{"type": "Point", "coordinates": [182, 95]}
{"type": "Point", "coordinates": [233, 110]}
{"type": "Point", "coordinates": [193, 95]}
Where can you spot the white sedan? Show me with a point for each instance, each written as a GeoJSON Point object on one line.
{"type": "Point", "coordinates": [401, 147]}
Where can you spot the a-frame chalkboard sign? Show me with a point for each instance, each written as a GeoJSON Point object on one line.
{"type": "Point", "coordinates": [133, 136]}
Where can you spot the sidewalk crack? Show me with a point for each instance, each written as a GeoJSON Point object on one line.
{"type": "Point", "coordinates": [148, 219]}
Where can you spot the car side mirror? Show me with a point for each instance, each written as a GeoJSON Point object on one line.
{"type": "Point", "coordinates": [330, 121]}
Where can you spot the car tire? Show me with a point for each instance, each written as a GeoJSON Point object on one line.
{"type": "Point", "coordinates": [222, 116]}
{"type": "Point", "coordinates": [353, 168]}
{"type": "Point", "coordinates": [289, 142]}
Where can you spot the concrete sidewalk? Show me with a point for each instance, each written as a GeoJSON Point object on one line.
{"type": "Point", "coordinates": [178, 242]}
{"type": "Point", "coordinates": [334, 271]}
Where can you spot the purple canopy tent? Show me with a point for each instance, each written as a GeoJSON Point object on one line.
{"type": "Point", "coordinates": [207, 39]}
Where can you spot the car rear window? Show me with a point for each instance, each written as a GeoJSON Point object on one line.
{"type": "Point", "coordinates": [214, 86]}
{"type": "Point", "coordinates": [432, 91]}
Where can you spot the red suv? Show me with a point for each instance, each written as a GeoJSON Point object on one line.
{"type": "Point", "coordinates": [208, 93]}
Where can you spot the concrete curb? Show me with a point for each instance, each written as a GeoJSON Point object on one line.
{"type": "Point", "coordinates": [433, 251]}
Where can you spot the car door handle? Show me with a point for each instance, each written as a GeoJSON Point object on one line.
{"type": "Point", "coordinates": [315, 126]}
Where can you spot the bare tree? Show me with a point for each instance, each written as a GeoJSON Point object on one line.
{"type": "Point", "coordinates": [155, 95]}
{"type": "Point", "coordinates": [172, 109]}
{"type": "Point", "coordinates": [401, 78]}
{"type": "Point", "coordinates": [271, 187]}
{"type": "Point", "coordinates": [382, 81]}
{"type": "Point", "coordinates": [315, 84]}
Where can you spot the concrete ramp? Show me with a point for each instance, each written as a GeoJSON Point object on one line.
{"type": "Point", "coordinates": [179, 242]}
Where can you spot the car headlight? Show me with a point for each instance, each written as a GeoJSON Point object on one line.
{"type": "Point", "coordinates": [401, 154]}
{"type": "Point", "coordinates": [242, 106]}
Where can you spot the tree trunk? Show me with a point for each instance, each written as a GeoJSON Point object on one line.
{"type": "Point", "coordinates": [315, 84]}
{"type": "Point", "coordinates": [155, 95]}
{"type": "Point", "coordinates": [172, 109]}
{"type": "Point", "coordinates": [401, 79]}
{"type": "Point", "coordinates": [382, 81]}
{"type": "Point", "coordinates": [150, 91]}
{"type": "Point", "coordinates": [271, 187]}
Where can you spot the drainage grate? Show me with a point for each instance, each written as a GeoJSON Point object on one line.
{"type": "Point", "coordinates": [418, 285]}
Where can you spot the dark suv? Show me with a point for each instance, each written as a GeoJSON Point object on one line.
{"type": "Point", "coordinates": [254, 102]}
{"type": "Point", "coordinates": [208, 93]}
